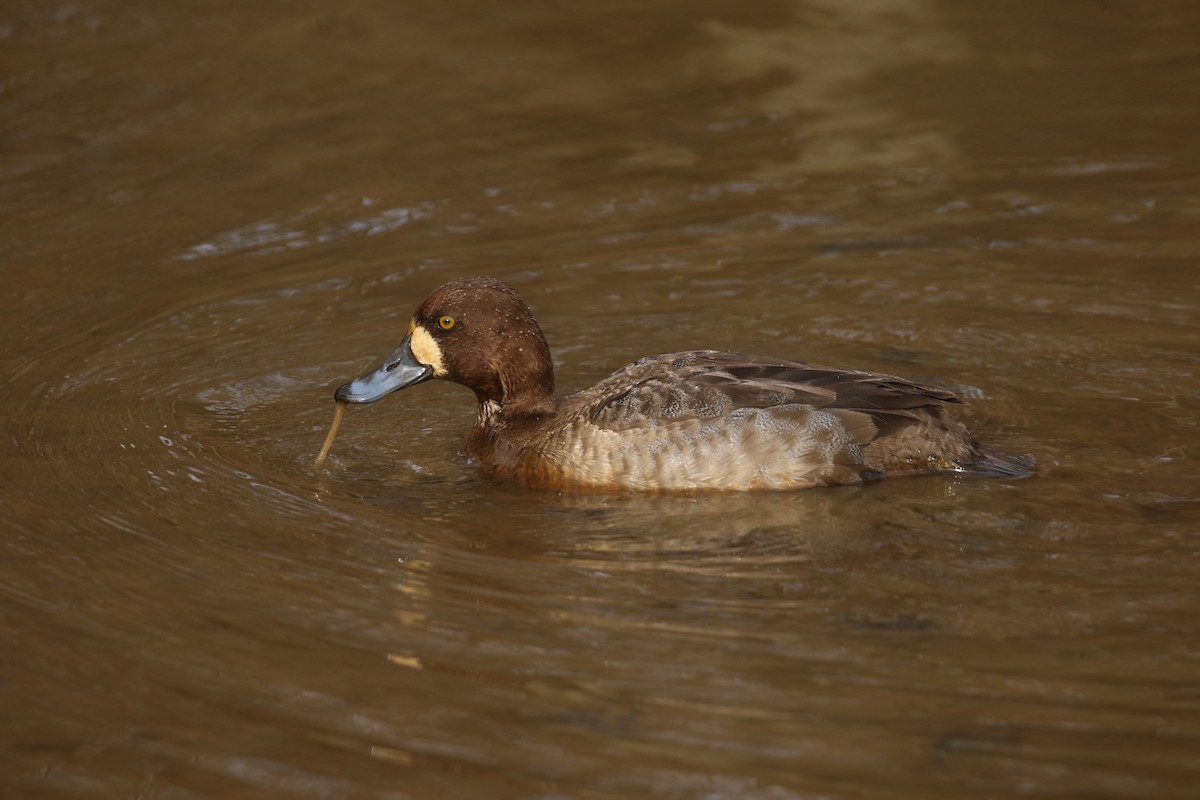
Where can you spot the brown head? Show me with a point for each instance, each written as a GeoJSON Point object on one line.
{"type": "Point", "coordinates": [476, 332]}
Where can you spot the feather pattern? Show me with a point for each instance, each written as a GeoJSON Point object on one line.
{"type": "Point", "coordinates": [711, 419]}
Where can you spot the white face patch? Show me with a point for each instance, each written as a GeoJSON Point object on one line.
{"type": "Point", "coordinates": [426, 350]}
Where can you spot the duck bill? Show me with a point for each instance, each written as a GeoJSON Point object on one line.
{"type": "Point", "coordinates": [401, 369]}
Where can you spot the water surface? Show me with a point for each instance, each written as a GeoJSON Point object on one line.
{"type": "Point", "coordinates": [212, 217]}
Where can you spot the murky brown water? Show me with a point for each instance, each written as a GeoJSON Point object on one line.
{"type": "Point", "coordinates": [211, 217]}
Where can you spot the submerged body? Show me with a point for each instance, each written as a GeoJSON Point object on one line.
{"type": "Point", "coordinates": [693, 421]}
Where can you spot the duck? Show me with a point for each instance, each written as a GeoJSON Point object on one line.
{"type": "Point", "coordinates": [696, 421]}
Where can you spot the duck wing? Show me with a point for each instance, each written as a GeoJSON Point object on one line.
{"type": "Point", "coordinates": [708, 384]}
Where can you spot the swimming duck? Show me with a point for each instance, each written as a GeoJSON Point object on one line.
{"type": "Point", "coordinates": [693, 421]}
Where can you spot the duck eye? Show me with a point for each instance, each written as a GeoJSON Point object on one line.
{"type": "Point", "coordinates": [445, 322]}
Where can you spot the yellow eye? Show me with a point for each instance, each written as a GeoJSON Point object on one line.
{"type": "Point", "coordinates": [445, 322]}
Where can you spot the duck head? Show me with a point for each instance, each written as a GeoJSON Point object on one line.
{"type": "Point", "coordinates": [473, 331]}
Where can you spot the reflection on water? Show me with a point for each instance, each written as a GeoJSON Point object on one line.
{"type": "Point", "coordinates": [266, 238]}
{"type": "Point", "coordinates": [205, 241]}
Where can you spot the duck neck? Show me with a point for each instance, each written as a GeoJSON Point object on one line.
{"type": "Point", "coordinates": [527, 394]}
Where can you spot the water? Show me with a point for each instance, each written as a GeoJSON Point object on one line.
{"type": "Point", "coordinates": [211, 218]}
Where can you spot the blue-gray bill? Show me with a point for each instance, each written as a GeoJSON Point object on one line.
{"type": "Point", "coordinates": [399, 370]}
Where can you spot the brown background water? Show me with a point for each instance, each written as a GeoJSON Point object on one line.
{"type": "Point", "coordinates": [212, 214]}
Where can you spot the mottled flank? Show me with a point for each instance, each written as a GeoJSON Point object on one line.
{"type": "Point", "coordinates": [695, 421]}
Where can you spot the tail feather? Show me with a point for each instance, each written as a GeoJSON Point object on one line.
{"type": "Point", "coordinates": [1002, 465]}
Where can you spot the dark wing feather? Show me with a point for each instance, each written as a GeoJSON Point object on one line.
{"type": "Point", "coordinates": [708, 384]}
